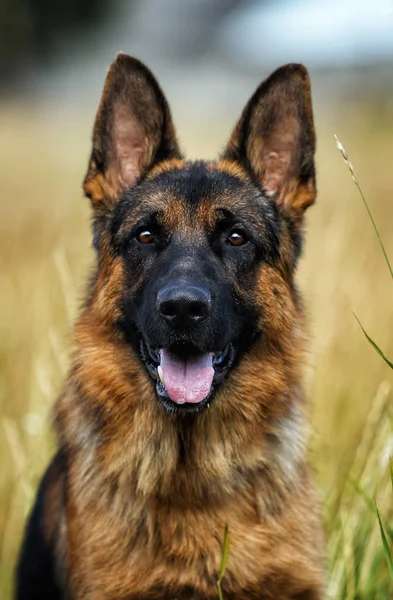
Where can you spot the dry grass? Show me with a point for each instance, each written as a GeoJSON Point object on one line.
{"type": "Point", "coordinates": [45, 254]}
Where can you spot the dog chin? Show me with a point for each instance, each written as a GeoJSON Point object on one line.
{"type": "Point", "coordinates": [186, 378]}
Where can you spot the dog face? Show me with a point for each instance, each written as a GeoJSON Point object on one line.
{"type": "Point", "coordinates": [191, 240]}
{"type": "Point", "coordinates": [204, 252]}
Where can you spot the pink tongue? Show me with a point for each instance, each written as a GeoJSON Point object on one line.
{"type": "Point", "coordinates": [187, 380]}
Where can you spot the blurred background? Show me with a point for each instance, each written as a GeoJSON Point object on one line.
{"type": "Point", "coordinates": [209, 56]}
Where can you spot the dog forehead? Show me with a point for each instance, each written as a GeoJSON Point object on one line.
{"type": "Point", "coordinates": [196, 194]}
{"type": "Point", "coordinates": [197, 183]}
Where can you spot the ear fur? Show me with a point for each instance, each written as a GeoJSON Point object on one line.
{"type": "Point", "coordinates": [133, 131]}
{"type": "Point", "coordinates": [275, 141]}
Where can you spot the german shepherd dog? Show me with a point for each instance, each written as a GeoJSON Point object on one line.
{"type": "Point", "coordinates": [183, 410]}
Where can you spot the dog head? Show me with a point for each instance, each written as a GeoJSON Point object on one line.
{"type": "Point", "coordinates": [198, 258]}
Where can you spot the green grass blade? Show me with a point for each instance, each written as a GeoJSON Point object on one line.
{"type": "Point", "coordinates": [220, 596]}
{"type": "Point", "coordinates": [375, 227]}
{"type": "Point", "coordinates": [224, 560]}
{"type": "Point", "coordinates": [356, 182]}
{"type": "Point", "coordinates": [225, 552]}
{"type": "Point", "coordinates": [360, 491]}
{"type": "Point", "coordinates": [386, 550]}
{"type": "Point", "coordinates": [374, 345]}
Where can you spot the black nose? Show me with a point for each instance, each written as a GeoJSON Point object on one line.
{"type": "Point", "coordinates": [182, 305]}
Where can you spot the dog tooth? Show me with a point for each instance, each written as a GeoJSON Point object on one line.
{"type": "Point", "coordinates": [160, 374]}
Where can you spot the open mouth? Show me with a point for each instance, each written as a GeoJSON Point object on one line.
{"type": "Point", "coordinates": [186, 378]}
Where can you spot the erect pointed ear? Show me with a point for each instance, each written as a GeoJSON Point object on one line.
{"type": "Point", "coordinates": [133, 131]}
{"type": "Point", "coordinates": [275, 141]}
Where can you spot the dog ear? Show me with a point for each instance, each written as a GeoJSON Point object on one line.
{"type": "Point", "coordinates": [133, 131]}
{"type": "Point", "coordinates": [275, 141]}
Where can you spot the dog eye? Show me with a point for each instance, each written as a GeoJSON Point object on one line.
{"type": "Point", "coordinates": [237, 238]}
{"type": "Point", "coordinates": [145, 237]}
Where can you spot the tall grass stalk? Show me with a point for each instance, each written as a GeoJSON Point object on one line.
{"type": "Point", "coordinates": [356, 181]}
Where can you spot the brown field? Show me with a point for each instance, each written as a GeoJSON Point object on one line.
{"type": "Point", "coordinates": [45, 257]}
